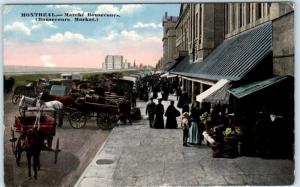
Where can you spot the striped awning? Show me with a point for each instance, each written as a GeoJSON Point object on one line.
{"type": "Point", "coordinates": [234, 58]}
{"type": "Point", "coordinates": [216, 93]}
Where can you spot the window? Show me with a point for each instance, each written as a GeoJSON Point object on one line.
{"type": "Point", "coordinates": [268, 8]}
{"type": "Point", "coordinates": [241, 15]}
{"type": "Point", "coordinates": [226, 19]}
{"type": "Point", "coordinates": [248, 13]}
{"type": "Point", "coordinates": [233, 16]}
{"type": "Point", "coordinates": [196, 25]}
{"type": "Point", "coordinates": [259, 10]}
{"type": "Point", "coordinates": [200, 22]}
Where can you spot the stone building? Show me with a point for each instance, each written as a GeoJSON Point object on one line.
{"type": "Point", "coordinates": [241, 55]}
{"type": "Point", "coordinates": [210, 34]}
{"type": "Point", "coordinates": [199, 29]}
{"type": "Point", "coordinates": [283, 45]}
{"type": "Point", "coordinates": [113, 62]}
{"type": "Point", "coordinates": [169, 37]}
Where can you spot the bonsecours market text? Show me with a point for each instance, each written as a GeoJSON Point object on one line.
{"type": "Point", "coordinates": [88, 14]}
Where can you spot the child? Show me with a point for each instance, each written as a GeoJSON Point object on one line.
{"type": "Point", "coordinates": [185, 127]}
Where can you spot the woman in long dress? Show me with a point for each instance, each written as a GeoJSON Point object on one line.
{"type": "Point", "coordinates": [171, 115]}
{"type": "Point", "coordinates": [159, 116]}
{"type": "Point", "coordinates": [194, 136]}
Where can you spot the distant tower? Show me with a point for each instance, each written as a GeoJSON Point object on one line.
{"type": "Point", "coordinates": [134, 65]}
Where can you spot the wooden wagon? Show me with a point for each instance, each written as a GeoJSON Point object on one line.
{"type": "Point", "coordinates": [105, 114]}
{"type": "Point", "coordinates": [23, 124]}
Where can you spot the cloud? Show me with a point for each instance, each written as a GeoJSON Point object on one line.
{"type": "Point", "coordinates": [68, 37]}
{"type": "Point", "coordinates": [130, 35]}
{"type": "Point", "coordinates": [111, 9]}
{"type": "Point", "coordinates": [46, 59]}
{"type": "Point", "coordinates": [108, 9]}
{"type": "Point", "coordinates": [17, 26]}
{"type": "Point", "coordinates": [39, 24]}
{"type": "Point", "coordinates": [59, 6]}
{"type": "Point", "coordinates": [147, 25]}
{"type": "Point", "coordinates": [129, 9]}
{"type": "Point", "coordinates": [112, 35]}
{"type": "Point", "coordinates": [68, 8]}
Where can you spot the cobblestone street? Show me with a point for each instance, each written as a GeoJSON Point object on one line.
{"type": "Point", "coordinates": [140, 156]}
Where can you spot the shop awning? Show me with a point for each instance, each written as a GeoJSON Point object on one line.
{"type": "Point", "coordinates": [251, 88]}
{"type": "Point", "coordinates": [165, 74]}
{"type": "Point", "coordinates": [216, 93]}
{"type": "Point", "coordinates": [234, 58]}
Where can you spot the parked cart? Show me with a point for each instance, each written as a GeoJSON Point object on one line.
{"type": "Point", "coordinates": [106, 114]}
{"type": "Point", "coordinates": [23, 124]}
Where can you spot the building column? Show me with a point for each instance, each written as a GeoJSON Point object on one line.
{"type": "Point", "coordinates": [201, 88]}
{"type": "Point", "coordinates": [193, 87]}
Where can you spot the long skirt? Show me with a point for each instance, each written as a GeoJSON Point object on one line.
{"type": "Point", "coordinates": [194, 136]}
{"type": "Point", "coordinates": [171, 123]}
{"type": "Point", "coordinates": [159, 122]}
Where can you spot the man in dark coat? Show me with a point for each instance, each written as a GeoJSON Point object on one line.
{"type": "Point", "coordinates": [159, 115]}
{"type": "Point", "coordinates": [150, 110]}
{"type": "Point", "coordinates": [171, 114]}
{"type": "Point", "coordinates": [186, 108]}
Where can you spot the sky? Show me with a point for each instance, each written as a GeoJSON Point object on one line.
{"type": "Point", "coordinates": [134, 32]}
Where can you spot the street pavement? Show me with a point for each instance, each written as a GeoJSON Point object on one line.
{"type": "Point", "coordinates": [136, 155]}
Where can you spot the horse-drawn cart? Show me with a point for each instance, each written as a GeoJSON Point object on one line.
{"type": "Point", "coordinates": [106, 114]}
{"type": "Point", "coordinates": [35, 135]}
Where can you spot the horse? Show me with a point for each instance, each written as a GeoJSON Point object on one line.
{"type": "Point", "coordinates": [27, 101]}
{"type": "Point", "coordinates": [8, 84]}
{"type": "Point", "coordinates": [33, 145]}
{"type": "Point", "coordinates": [65, 100]}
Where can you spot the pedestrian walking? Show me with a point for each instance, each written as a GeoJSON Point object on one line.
{"type": "Point", "coordinates": [159, 116]}
{"type": "Point", "coordinates": [185, 124]}
{"type": "Point", "coordinates": [178, 92]}
{"type": "Point", "coordinates": [171, 115]}
{"type": "Point", "coordinates": [150, 110]}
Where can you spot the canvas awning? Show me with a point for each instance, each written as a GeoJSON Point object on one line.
{"type": "Point", "coordinates": [216, 93]}
{"type": "Point", "coordinates": [165, 74]}
{"type": "Point", "coordinates": [251, 88]}
{"type": "Point", "coordinates": [234, 58]}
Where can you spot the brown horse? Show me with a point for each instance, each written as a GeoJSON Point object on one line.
{"type": "Point", "coordinates": [34, 143]}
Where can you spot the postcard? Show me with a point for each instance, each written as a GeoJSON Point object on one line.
{"type": "Point", "coordinates": [156, 94]}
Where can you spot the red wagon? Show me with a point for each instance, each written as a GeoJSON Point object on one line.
{"type": "Point", "coordinates": [25, 123]}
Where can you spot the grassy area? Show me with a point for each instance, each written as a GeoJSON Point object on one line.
{"type": "Point", "coordinates": [24, 79]}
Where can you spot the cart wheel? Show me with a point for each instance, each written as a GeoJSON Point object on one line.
{"type": "Point", "coordinates": [15, 98]}
{"type": "Point", "coordinates": [56, 151]}
{"type": "Point", "coordinates": [104, 121]}
{"type": "Point", "coordinates": [18, 151]}
{"type": "Point", "coordinates": [77, 119]}
{"type": "Point", "coordinates": [13, 140]}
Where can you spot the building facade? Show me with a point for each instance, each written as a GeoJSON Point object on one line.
{"type": "Point", "coordinates": [169, 38]}
{"type": "Point", "coordinates": [200, 28]}
{"type": "Point", "coordinates": [240, 17]}
{"type": "Point", "coordinates": [113, 62]}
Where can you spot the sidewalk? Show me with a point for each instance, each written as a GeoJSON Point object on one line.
{"type": "Point", "coordinates": [140, 156]}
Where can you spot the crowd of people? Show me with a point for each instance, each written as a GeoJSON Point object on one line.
{"type": "Point", "coordinates": [204, 123]}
